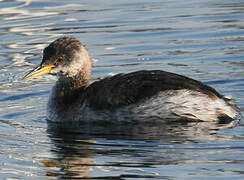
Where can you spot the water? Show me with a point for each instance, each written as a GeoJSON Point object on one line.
{"type": "Point", "coordinates": [200, 39]}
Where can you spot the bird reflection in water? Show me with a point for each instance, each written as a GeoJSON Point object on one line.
{"type": "Point", "coordinates": [76, 146]}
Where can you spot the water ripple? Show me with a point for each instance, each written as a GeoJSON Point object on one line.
{"type": "Point", "coordinates": [200, 39]}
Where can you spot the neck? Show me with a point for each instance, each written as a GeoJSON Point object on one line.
{"type": "Point", "coordinates": [73, 83]}
{"type": "Point", "coordinates": [69, 89]}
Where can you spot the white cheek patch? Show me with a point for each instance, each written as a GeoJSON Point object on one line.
{"type": "Point", "coordinates": [69, 70]}
{"type": "Point", "coordinates": [75, 65]}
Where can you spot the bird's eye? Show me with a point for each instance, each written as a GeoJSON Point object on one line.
{"type": "Point", "coordinates": [57, 61]}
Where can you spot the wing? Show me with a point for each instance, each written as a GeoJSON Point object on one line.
{"type": "Point", "coordinates": [125, 89]}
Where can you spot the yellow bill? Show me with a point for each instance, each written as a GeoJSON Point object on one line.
{"type": "Point", "coordinates": [38, 71]}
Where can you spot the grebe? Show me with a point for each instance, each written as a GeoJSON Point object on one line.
{"type": "Point", "coordinates": [141, 95]}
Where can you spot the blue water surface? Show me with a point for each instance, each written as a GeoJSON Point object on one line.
{"type": "Point", "coordinates": [201, 39]}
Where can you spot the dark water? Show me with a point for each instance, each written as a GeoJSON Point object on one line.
{"type": "Point", "coordinates": [201, 39]}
